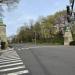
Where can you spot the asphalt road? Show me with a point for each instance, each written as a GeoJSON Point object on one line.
{"type": "Point", "coordinates": [53, 60]}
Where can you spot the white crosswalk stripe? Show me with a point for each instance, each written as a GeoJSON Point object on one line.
{"type": "Point", "coordinates": [20, 72]}
{"type": "Point", "coordinates": [1, 63]}
{"type": "Point", "coordinates": [8, 69]}
{"type": "Point", "coordinates": [11, 64]}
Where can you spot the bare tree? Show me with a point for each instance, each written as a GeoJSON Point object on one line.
{"type": "Point", "coordinates": [8, 3]}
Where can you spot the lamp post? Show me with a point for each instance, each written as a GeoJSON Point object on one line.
{"type": "Point", "coordinates": [35, 37]}
{"type": "Point", "coordinates": [72, 3]}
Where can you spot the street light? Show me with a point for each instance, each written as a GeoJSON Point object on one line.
{"type": "Point", "coordinates": [70, 10]}
{"type": "Point", "coordinates": [35, 37]}
{"type": "Point", "coordinates": [71, 1]}
{"type": "Point", "coordinates": [72, 4]}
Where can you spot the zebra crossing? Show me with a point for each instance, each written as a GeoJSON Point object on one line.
{"type": "Point", "coordinates": [11, 64]}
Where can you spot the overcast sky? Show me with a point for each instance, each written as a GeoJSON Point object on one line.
{"type": "Point", "coordinates": [31, 9]}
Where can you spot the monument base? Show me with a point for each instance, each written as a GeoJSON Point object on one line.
{"type": "Point", "coordinates": [67, 36]}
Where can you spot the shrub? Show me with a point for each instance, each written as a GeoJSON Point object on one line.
{"type": "Point", "coordinates": [72, 43]}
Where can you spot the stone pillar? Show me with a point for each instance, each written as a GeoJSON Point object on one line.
{"type": "Point", "coordinates": [67, 36]}
{"type": "Point", "coordinates": [3, 37]}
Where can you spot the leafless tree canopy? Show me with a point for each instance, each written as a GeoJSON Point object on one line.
{"type": "Point", "coordinates": [8, 3]}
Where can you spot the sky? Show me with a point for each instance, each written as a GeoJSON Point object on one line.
{"type": "Point", "coordinates": [31, 9]}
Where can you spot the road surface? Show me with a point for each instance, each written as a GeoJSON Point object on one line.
{"type": "Point", "coordinates": [48, 60]}
{"type": "Point", "coordinates": [42, 60]}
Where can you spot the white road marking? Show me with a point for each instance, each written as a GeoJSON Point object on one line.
{"type": "Point", "coordinates": [10, 61]}
{"type": "Point", "coordinates": [20, 72]}
{"type": "Point", "coordinates": [19, 49]}
{"type": "Point", "coordinates": [6, 61]}
{"type": "Point", "coordinates": [22, 48]}
{"type": "Point", "coordinates": [12, 64]}
{"type": "Point", "coordinates": [10, 58]}
{"type": "Point", "coordinates": [14, 68]}
{"type": "Point", "coordinates": [36, 47]}
{"type": "Point", "coordinates": [6, 50]}
{"type": "Point", "coordinates": [8, 53]}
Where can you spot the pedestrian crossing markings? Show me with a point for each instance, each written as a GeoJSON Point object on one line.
{"type": "Point", "coordinates": [11, 64]}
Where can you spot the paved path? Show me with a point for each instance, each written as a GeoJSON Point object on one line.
{"type": "Point", "coordinates": [11, 63]}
